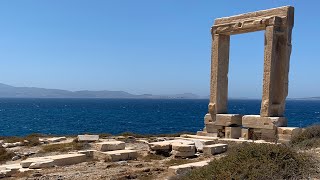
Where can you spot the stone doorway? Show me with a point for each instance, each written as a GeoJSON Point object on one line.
{"type": "Point", "coordinates": [277, 24]}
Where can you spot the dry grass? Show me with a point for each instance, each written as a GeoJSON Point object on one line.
{"type": "Point", "coordinates": [176, 162]}
{"type": "Point", "coordinates": [32, 139]}
{"type": "Point", "coordinates": [150, 157]}
{"type": "Point", "coordinates": [307, 139]}
{"type": "Point", "coordinates": [257, 161]}
{"type": "Point", "coordinates": [5, 155]}
{"type": "Point", "coordinates": [63, 147]}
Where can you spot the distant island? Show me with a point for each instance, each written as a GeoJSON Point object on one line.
{"type": "Point", "coordinates": [7, 91]}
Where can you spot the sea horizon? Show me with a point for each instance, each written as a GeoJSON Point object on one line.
{"type": "Point", "coordinates": [72, 116]}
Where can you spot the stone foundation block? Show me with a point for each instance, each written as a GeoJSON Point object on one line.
{"type": "Point", "coordinates": [269, 135]}
{"type": "Point", "coordinates": [182, 147]}
{"type": "Point", "coordinates": [185, 168]}
{"type": "Point", "coordinates": [215, 149]}
{"type": "Point", "coordinates": [119, 155]}
{"type": "Point", "coordinates": [228, 119]}
{"type": "Point", "coordinates": [88, 138]}
{"type": "Point", "coordinates": [199, 143]}
{"type": "Point", "coordinates": [110, 146]}
{"type": "Point", "coordinates": [58, 160]}
{"type": "Point", "coordinates": [163, 145]}
{"type": "Point", "coordinates": [245, 134]}
{"type": "Point", "coordinates": [42, 164]}
{"type": "Point", "coordinates": [208, 119]}
{"type": "Point", "coordinates": [26, 163]}
{"type": "Point", "coordinates": [233, 132]}
{"type": "Point", "coordinates": [256, 121]}
{"type": "Point", "coordinates": [212, 128]}
{"type": "Point", "coordinates": [183, 154]}
{"type": "Point", "coordinates": [289, 130]}
{"type": "Point", "coordinates": [68, 159]}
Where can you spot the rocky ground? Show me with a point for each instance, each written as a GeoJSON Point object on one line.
{"type": "Point", "coordinates": [146, 166]}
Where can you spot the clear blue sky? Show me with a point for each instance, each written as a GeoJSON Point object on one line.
{"type": "Point", "coordinates": [159, 47]}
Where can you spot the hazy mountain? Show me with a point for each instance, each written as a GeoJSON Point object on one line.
{"type": "Point", "coordinates": [306, 98]}
{"type": "Point", "coordinates": [7, 91]}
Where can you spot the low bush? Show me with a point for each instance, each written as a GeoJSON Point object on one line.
{"type": "Point", "coordinates": [309, 138]}
{"type": "Point", "coordinates": [63, 147]}
{"type": "Point", "coordinates": [257, 161]}
{"type": "Point", "coordinates": [5, 155]}
{"type": "Point", "coordinates": [31, 140]}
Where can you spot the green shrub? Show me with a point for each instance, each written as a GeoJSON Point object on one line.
{"type": "Point", "coordinates": [309, 138]}
{"type": "Point", "coordinates": [5, 155]}
{"type": "Point", "coordinates": [256, 161]}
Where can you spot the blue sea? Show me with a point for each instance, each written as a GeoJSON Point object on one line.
{"type": "Point", "coordinates": [19, 117]}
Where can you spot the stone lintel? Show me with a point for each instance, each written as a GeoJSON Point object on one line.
{"type": "Point", "coordinates": [248, 25]}
{"type": "Point", "coordinates": [285, 11]}
{"type": "Point", "coordinates": [256, 121]}
{"type": "Point", "coordinates": [228, 119]}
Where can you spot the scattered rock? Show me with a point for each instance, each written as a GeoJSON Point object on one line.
{"type": "Point", "coordinates": [52, 140]}
{"type": "Point", "coordinates": [11, 145]}
{"type": "Point", "coordinates": [37, 174]}
{"type": "Point", "coordinates": [122, 163]}
{"type": "Point", "coordinates": [14, 158]}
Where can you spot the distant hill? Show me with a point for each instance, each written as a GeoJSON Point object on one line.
{"type": "Point", "coordinates": [306, 98]}
{"type": "Point", "coordinates": [7, 91]}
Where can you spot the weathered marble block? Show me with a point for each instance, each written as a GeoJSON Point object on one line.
{"type": "Point", "coordinates": [88, 138]}
{"type": "Point", "coordinates": [183, 147]}
{"type": "Point", "coordinates": [185, 168]}
{"type": "Point", "coordinates": [215, 149]}
{"type": "Point", "coordinates": [228, 119]}
{"type": "Point", "coordinates": [183, 154]}
{"type": "Point", "coordinates": [233, 132]}
{"type": "Point", "coordinates": [245, 134]}
{"type": "Point", "coordinates": [289, 130]}
{"type": "Point", "coordinates": [208, 119]}
{"type": "Point", "coordinates": [110, 145]}
{"type": "Point", "coordinates": [212, 128]}
{"type": "Point", "coordinates": [256, 121]}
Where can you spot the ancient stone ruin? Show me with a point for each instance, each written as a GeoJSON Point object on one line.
{"type": "Point", "coordinates": [277, 24]}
